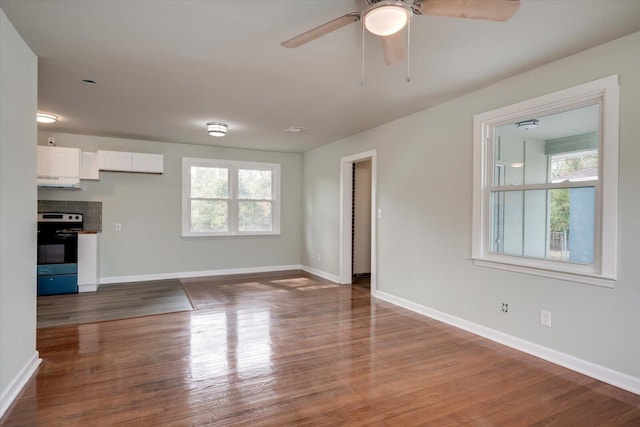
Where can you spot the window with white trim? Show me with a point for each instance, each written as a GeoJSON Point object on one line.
{"type": "Point", "coordinates": [545, 185]}
{"type": "Point", "coordinates": [223, 197]}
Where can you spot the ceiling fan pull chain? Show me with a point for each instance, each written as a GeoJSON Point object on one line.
{"type": "Point", "coordinates": [362, 81]}
{"type": "Point", "coordinates": [409, 50]}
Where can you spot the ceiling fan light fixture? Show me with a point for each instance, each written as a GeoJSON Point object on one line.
{"type": "Point", "coordinates": [386, 17]}
{"type": "Point", "coordinates": [46, 118]}
{"type": "Point", "coordinates": [217, 129]}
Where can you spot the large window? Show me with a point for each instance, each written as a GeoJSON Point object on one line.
{"type": "Point", "coordinates": [545, 190]}
{"type": "Point", "coordinates": [229, 198]}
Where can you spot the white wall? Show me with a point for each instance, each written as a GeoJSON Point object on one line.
{"type": "Point", "coordinates": [18, 103]}
{"type": "Point", "coordinates": [424, 238]}
{"type": "Point", "coordinates": [149, 207]}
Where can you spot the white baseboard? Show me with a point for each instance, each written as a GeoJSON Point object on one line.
{"type": "Point", "coordinates": [189, 274]}
{"type": "Point", "coordinates": [320, 273]}
{"type": "Point", "coordinates": [602, 373]}
{"type": "Point", "coordinates": [16, 386]}
{"type": "Point", "coordinates": [87, 288]}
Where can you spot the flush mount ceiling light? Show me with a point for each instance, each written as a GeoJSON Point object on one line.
{"type": "Point", "coordinates": [46, 118]}
{"type": "Point", "coordinates": [386, 17]}
{"type": "Point", "coordinates": [528, 124]}
{"type": "Point", "coordinates": [295, 129]}
{"type": "Point", "coordinates": [217, 129]}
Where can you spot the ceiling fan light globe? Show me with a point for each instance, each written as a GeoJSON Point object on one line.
{"type": "Point", "coordinates": [386, 19]}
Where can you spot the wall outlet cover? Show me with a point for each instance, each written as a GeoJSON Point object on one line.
{"type": "Point", "coordinates": [545, 318]}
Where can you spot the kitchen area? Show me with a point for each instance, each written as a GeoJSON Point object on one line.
{"type": "Point", "coordinates": [69, 231]}
{"type": "Point", "coordinates": [68, 254]}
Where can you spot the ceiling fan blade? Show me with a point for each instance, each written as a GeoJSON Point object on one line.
{"type": "Point", "coordinates": [490, 10]}
{"type": "Point", "coordinates": [393, 48]}
{"type": "Point", "coordinates": [321, 30]}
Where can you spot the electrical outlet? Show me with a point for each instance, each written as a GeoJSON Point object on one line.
{"type": "Point", "coordinates": [118, 226]}
{"type": "Point", "coordinates": [505, 307]}
{"type": "Point", "coordinates": [545, 318]}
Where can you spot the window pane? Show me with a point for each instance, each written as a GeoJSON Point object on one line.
{"type": "Point", "coordinates": [254, 184]}
{"type": "Point", "coordinates": [255, 216]}
{"type": "Point", "coordinates": [209, 216]}
{"type": "Point", "coordinates": [209, 182]}
{"type": "Point", "coordinates": [574, 167]}
{"type": "Point", "coordinates": [563, 146]}
{"type": "Point", "coordinates": [554, 224]}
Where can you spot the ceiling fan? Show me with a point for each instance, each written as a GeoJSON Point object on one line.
{"type": "Point", "coordinates": [386, 18]}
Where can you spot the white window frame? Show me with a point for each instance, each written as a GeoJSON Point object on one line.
{"type": "Point", "coordinates": [603, 271]}
{"type": "Point", "coordinates": [233, 167]}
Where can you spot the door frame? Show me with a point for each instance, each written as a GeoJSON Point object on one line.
{"type": "Point", "coordinates": [346, 202]}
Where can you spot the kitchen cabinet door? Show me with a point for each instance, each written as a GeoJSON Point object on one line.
{"type": "Point", "coordinates": [64, 162]}
{"type": "Point", "coordinates": [89, 166]}
{"type": "Point", "coordinates": [43, 160]}
{"type": "Point", "coordinates": [58, 162]}
{"type": "Point", "coordinates": [88, 261]}
{"type": "Point", "coordinates": [118, 161]}
{"type": "Point", "coordinates": [149, 163]}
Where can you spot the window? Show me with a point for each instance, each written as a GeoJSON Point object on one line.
{"type": "Point", "coordinates": [545, 185]}
{"type": "Point", "coordinates": [221, 197]}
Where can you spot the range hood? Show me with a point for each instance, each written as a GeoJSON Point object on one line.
{"type": "Point", "coordinates": [59, 182]}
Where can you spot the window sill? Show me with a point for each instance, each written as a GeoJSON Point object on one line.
{"type": "Point", "coordinates": [589, 279]}
{"type": "Point", "coordinates": [252, 234]}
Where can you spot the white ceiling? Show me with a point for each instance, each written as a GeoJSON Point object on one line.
{"type": "Point", "coordinates": [165, 68]}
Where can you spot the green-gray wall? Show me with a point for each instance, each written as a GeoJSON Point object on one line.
{"type": "Point", "coordinates": [149, 207]}
{"type": "Point", "coordinates": [18, 103]}
{"type": "Point", "coordinates": [424, 237]}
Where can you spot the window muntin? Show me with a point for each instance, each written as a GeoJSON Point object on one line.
{"type": "Point", "coordinates": [528, 188]}
{"type": "Point", "coordinates": [229, 198]}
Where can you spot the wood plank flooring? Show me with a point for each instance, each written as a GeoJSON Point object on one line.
{"type": "Point", "coordinates": [293, 349]}
{"type": "Point", "coordinates": [110, 302]}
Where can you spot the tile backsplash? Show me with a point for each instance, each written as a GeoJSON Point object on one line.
{"type": "Point", "coordinates": [92, 211]}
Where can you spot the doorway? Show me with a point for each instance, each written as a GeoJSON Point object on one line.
{"type": "Point", "coordinates": [358, 222]}
{"type": "Point", "coordinates": [361, 224]}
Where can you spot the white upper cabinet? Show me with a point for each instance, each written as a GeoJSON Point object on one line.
{"type": "Point", "coordinates": [119, 161]}
{"type": "Point", "coordinates": [149, 163]}
{"type": "Point", "coordinates": [58, 162]}
{"type": "Point", "coordinates": [122, 161]}
{"type": "Point", "coordinates": [89, 166]}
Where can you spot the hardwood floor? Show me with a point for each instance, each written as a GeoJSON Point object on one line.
{"type": "Point", "coordinates": [110, 302]}
{"type": "Point", "coordinates": [293, 349]}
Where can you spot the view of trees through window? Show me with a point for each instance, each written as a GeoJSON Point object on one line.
{"type": "Point", "coordinates": [254, 194]}
{"type": "Point", "coordinates": [210, 197]}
